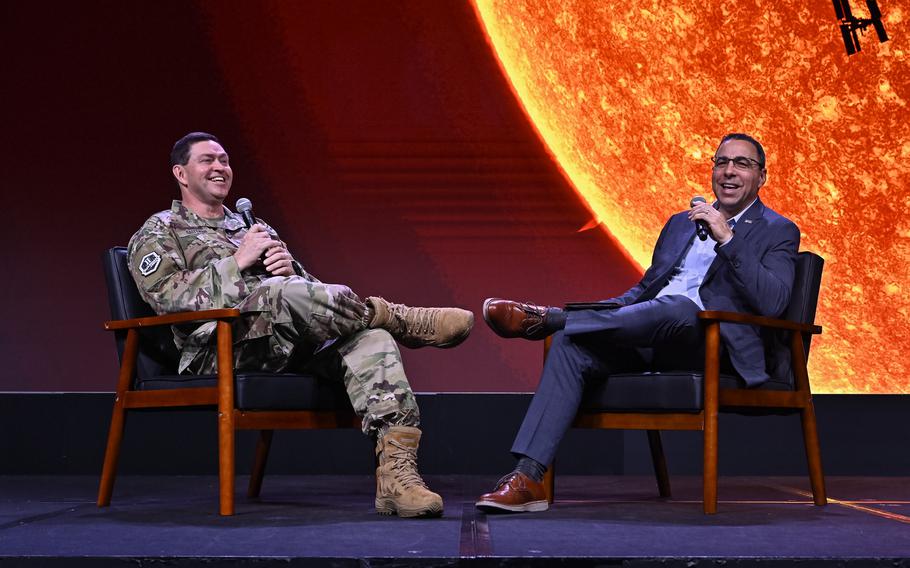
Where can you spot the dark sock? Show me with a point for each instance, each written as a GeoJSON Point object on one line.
{"type": "Point", "coordinates": [555, 320]}
{"type": "Point", "coordinates": [531, 467]}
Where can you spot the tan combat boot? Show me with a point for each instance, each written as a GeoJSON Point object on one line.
{"type": "Point", "coordinates": [399, 487]}
{"type": "Point", "coordinates": [420, 327]}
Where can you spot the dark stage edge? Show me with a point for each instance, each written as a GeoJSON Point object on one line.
{"type": "Point", "coordinates": [329, 521]}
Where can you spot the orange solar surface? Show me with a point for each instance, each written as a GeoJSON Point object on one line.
{"type": "Point", "coordinates": [631, 99]}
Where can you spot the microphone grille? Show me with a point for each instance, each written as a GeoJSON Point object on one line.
{"type": "Point", "coordinates": [244, 204]}
{"type": "Point", "coordinates": [696, 199]}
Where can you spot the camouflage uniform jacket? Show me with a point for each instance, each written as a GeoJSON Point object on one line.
{"type": "Point", "coordinates": [183, 262]}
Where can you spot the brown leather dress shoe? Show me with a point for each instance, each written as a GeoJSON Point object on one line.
{"type": "Point", "coordinates": [517, 493]}
{"type": "Point", "coordinates": [515, 319]}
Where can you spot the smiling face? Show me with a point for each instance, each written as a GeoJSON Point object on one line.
{"type": "Point", "coordinates": [205, 180]}
{"type": "Point", "coordinates": [736, 187]}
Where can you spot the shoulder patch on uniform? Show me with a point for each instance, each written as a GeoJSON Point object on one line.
{"type": "Point", "coordinates": [149, 263]}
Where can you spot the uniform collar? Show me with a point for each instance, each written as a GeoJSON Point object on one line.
{"type": "Point", "coordinates": [230, 221]}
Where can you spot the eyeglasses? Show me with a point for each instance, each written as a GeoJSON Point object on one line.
{"type": "Point", "coordinates": [739, 162]}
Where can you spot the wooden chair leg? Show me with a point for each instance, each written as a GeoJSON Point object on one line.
{"type": "Point", "coordinates": [807, 418]}
{"type": "Point", "coordinates": [118, 419]}
{"type": "Point", "coordinates": [226, 412]}
{"type": "Point", "coordinates": [813, 454]}
{"type": "Point", "coordinates": [262, 456]}
{"type": "Point", "coordinates": [112, 453]}
{"type": "Point", "coordinates": [660, 463]}
{"type": "Point", "coordinates": [549, 483]}
{"type": "Point", "coordinates": [712, 380]}
{"type": "Point", "coordinates": [709, 475]}
{"type": "Point", "coordinates": [226, 464]}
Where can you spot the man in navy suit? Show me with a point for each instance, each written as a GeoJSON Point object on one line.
{"type": "Point", "coordinates": [734, 255]}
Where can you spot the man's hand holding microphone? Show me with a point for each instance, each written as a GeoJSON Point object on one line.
{"type": "Point", "coordinates": [258, 245]}
{"type": "Point", "coordinates": [709, 221]}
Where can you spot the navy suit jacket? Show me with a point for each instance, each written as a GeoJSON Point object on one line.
{"type": "Point", "coordinates": [752, 273]}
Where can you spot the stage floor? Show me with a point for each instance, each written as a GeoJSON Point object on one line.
{"type": "Point", "coordinates": [312, 520]}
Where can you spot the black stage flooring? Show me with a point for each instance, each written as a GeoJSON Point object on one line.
{"type": "Point", "coordinates": [319, 520]}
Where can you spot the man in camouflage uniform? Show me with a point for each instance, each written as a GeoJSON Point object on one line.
{"type": "Point", "coordinates": [200, 255]}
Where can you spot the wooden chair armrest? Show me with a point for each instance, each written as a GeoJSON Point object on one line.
{"type": "Point", "coordinates": [737, 317]}
{"type": "Point", "coordinates": [168, 319]}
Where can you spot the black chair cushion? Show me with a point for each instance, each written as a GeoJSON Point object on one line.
{"type": "Point", "coordinates": [265, 391]}
{"type": "Point", "coordinates": [665, 391]}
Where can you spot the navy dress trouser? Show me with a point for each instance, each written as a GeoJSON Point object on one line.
{"type": "Point", "coordinates": [660, 334]}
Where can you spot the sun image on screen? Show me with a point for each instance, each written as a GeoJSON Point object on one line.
{"type": "Point", "coordinates": [631, 99]}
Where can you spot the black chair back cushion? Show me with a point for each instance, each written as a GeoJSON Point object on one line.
{"type": "Point", "coordinates": [806, 287]}
{"type": "Point", "coordinates": [157, 352]}
{"type": "Point", "coordinates": [156, 365]}
{"type": "Point", "coordinates": [683, 391]}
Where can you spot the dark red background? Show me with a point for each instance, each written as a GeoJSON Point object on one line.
{"type": "Point", "coordinates": [379, 138]}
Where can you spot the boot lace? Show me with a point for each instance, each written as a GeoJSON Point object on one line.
{"type": "Point", "coordinates": [414, 321]}
{"type": "Point", "coordinates": [404, 465]}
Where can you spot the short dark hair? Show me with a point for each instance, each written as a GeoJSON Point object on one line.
{"type": "Point", "coordinates": [749, 139]}
{"type": "Point", "coordinates": [180, 154]}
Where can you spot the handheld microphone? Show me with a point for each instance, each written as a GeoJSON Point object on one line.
{"type": "Point", "coordinates": [701, 228]}
{"type": "Point", "coordinates": [245, 208]}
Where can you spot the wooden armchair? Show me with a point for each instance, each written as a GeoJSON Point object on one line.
{"type": "Point", "coordinates": [687, 400]}
{"type": "Point", "coordinates": [243, 401]}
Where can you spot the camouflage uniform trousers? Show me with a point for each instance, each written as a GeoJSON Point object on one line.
{"type": "Point", "coordinates": [318, 328]}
